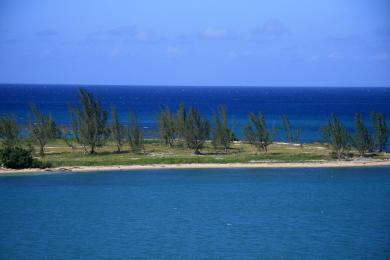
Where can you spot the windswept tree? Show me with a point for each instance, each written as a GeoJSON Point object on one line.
{"type": "Point", "coordinates": [181, 121]}
{"type": "Point", "coordinates": [167, 126]}
{"type": "Point", "coordinates": [196, 131]}
{"type": "Point", "coordinates": [89, 122]}
{"type": "Point", "coordinates": [361, 139]}
{"type": "Point", "coordinates": [42, 129]}
{"type": "Point", "coordinates": [135, 134]}
{"type": "Point", "coordinates": [336, 134]}
{"type": "Point", "coordinates": [117, 129]}
{"type": "Point", "coordinates": [381, 132]}
{"type": "Point", "coordinates": [292, 135]}
{"type": "Point", "coordinates": [223, 136]}
{"type": "Point", "coordinates": [258, 134]}
{"type": "Point", "coordinates": [66, 134]}
{"type": "Point", "coordinates": [9, 131]}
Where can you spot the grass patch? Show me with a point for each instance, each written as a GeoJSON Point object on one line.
{"type": "Point", "coordinates": [59, 154]}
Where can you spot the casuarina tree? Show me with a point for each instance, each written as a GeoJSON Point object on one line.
{"type": "Point", "coordinates": [292, 135]}
{"type": "Point", "coordinates": [167, 126]}
{"type": "Point", "coordinates": [257, 133]}
{"type": "Point", "coordinates": [42, 129]}
{"type": "Point", "coordinates": [135, 134]}
{"type": "Point", "coordinates": [381, 132]}
{"type": "Point", "coordinates": [117, 129]}
{"type": "Point", "coordinates": [89, 122]}
{"type": "Point", "coordinates": [336, 134]}
{"type": "Point", "coordinates": [223, 136]}
{"type": "Point", "coordinates": [361, 139]}
{"type": "Point", "coordinates": [196, 130]}
{"type": "Point", "coordinates": [9, 131]}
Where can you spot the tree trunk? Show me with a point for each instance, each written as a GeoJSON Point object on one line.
{"type": "Point", "coordinates": [41, 151]}
{"type": "Point", "coordinates": [197, 151]}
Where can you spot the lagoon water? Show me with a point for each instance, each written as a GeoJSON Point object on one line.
{"type": "Point", "coordinates": [308, 108]}
{"type": "Point", "coordinates": [192, 214]}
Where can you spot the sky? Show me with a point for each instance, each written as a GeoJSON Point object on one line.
{"type": "Point", "coordinates": [196, 43]}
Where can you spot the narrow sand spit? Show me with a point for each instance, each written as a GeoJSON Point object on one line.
{"type": "Point", "coordinates": [312, 164]}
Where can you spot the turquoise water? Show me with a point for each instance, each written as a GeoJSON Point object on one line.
{"type": "Point", "coordinates": [192, 214]}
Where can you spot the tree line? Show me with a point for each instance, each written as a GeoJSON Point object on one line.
{"type": "Point", "coordinates": [89, 128]}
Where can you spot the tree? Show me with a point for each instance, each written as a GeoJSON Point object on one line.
{"type": "Point", "coordinates": [258, 133]}
{"type": "Point", "coordinates": [135, 135]}
{"type": "Point", "coordinates": [337, 136]}
{"type": "Point", "coordinates": [9, 131]}
{"type": "Point", "coordinates": [117, 129]}
{"type": "Point", "coordinates": [66, 134]}
{"type": "Point", "coordinates": [223, 135]}
{"type": "Point", "coordinates": [89, 122]}
{"type": "Point", "coordinates": [196, 130]}
{"type": "Point", "coordinates": [361, 140]}
{"type": "Point", "coordinates": [42, 129]}
{"type": "Point", "coordinates": [380, 131]}
{"type": "Point", "coordinates": [181, 121]}
{"type": "Point", "coordinates": [167, 126]}
{"type": "Point", "coordinates": [292, 135]}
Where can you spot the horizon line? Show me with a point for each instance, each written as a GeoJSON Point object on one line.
{"type": "Point", "coordinates": [201, 86]}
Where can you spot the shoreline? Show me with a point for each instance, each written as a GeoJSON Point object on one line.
{"type": "Point", "coordinates": [255, 165]}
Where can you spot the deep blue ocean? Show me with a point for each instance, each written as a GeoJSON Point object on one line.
{"type": "Point", "coordinates": [197, 214]}
{"type": "Point", "coordinates": [308, 108]}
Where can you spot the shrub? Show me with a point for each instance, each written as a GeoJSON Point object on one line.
{"type": "Point", "coordinates": [19, 158]}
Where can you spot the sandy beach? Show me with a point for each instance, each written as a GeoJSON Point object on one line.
{"type": "Point", "coordinates": [259, 165]}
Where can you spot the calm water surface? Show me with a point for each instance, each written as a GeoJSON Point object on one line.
{"type": "Point", "coordinates": [192, 214]}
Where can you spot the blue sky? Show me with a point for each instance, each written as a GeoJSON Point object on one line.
{"type": "Point", "coordinates": [213, 42]}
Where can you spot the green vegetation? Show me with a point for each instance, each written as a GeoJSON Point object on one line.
{"type": "Point", "coordinates": [9, 131]}
{"type": "Point", "coordinates": [223, 135]}
{"type": "Point", "coordinates": [292, 135]}
{"type": "Point", "coordinates": [59, 154]}
{"type": "Point", "coordinates": [184, 138]}
{"type": "Point", "coordinates": [167, 126]}
{"type": "Point", "coordinates": [196, 130]}
{"type": "Point", "coordinates": [19, 158]}
{"type": "Point", "coordinates": [381, 132]}
{"type": "Point", "coordinates": [258, 133]}
{"type": "Point", "coordinates": [361, 140]}
{"type": "Point", "coordinates": [135, 135]}
{"type": "Point", "coordinates": [337, 135]}
{"type": "Point", "coordinates": [89, 122]}
{"type": "Point", "coordinates": [42, 129]}
{"type": "Point", "coordinates": [117, 130]}
{"type": "Point", "coordinates": [181, 121]}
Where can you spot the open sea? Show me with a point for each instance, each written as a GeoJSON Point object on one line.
{"type": "Point", "coordinates": [197, 214]}
{"type": "Point", "coordinates": [308, 108]}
